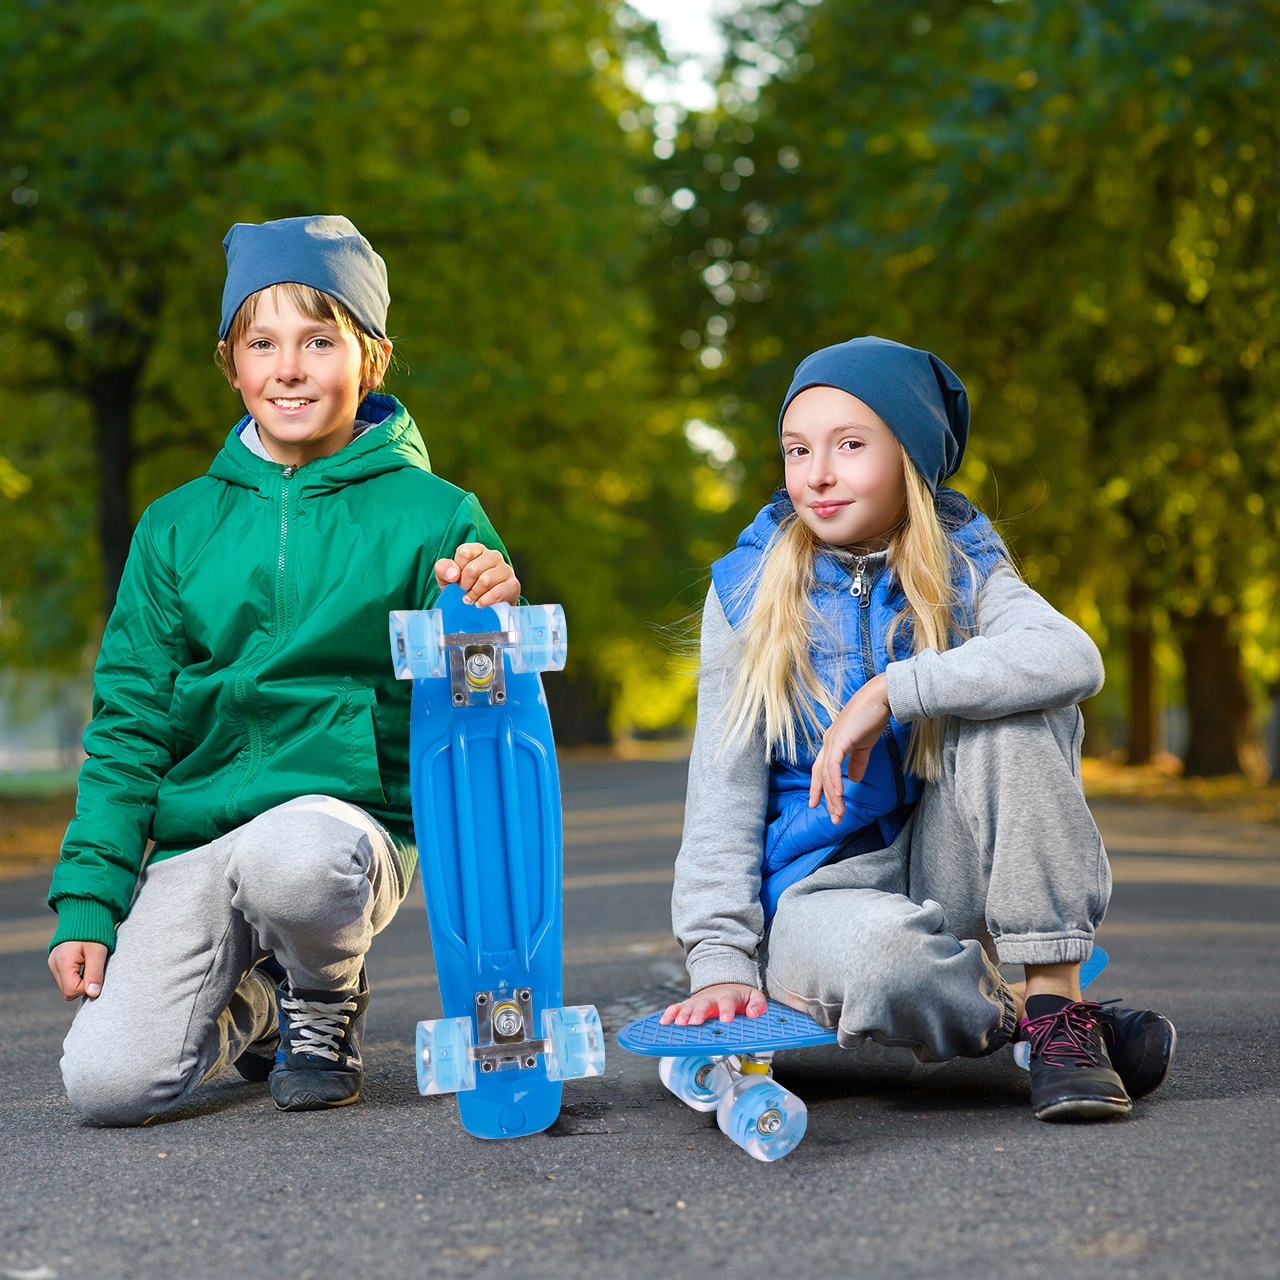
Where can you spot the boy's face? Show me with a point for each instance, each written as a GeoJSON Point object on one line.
{"type": "Point", "coordinates": [844, 468]}
{"type": "Point", "coordinates": [300, 379]}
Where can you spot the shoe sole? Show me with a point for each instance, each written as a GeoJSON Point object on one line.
{"type": "Point", "coordinates": [311, 1102]}
{"type": "Point", "coordinates": [1084, 1109]}
{"type": "Point", "coordinates": [1168, 1062]}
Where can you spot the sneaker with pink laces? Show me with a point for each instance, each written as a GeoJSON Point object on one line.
{"type": "Point", "coordinates": [1072, 1077]}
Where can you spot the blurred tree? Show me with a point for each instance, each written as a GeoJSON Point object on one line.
{"type": "Point", "coordinates": [475, 145]}
{"type": "Point", "coordinates": [1076, 206]}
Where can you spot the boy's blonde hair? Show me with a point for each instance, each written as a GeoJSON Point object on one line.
{"type": "Point", "coordinates": [776, 680]}
{"type": "Point", "coordinates": [315, 305]}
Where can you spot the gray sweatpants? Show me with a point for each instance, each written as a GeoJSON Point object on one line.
{"type": "Point", "coordinates": [1000, 861]}
{"type": "Point", "coordinates": [312, 881]}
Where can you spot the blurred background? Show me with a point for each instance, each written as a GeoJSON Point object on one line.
{"type": "Point", "coordinates": [611, 233]}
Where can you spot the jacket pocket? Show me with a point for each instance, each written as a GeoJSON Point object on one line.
{"type": "Point", "coordinates": [362, 736]}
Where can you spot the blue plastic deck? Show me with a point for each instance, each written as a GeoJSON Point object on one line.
{"type": "Point", "coordinates": [779, 1028]}
{"type": "Point", "coordinates": [486, 811]}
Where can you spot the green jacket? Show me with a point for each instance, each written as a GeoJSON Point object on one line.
{"type": "Point", "coordinates": [246, 661]}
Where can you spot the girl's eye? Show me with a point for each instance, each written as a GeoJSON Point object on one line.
{"type": "Point", "coordinates": [321, 344]}
{"type": "Point", "coordinates": [259, 344]}
{"type": "Point", "coordinates": [796, 451]}
{"type": "Point", "coordinates": [850, 445]}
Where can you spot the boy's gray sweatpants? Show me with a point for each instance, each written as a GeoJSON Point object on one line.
{"type": "Point", "coordinates": [311, 880]}
{"type": "Point", "coordinates": [1000, 860]}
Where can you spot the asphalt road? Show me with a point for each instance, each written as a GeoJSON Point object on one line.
{"type": "Point", "coordinates": [905, 1171]}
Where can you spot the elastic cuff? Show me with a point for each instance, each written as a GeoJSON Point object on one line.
{"type": "Point", "coordinates": [1044, 948]}
{"type": "Point", "coordinates": [707, 968]}
{"type": "Point", "coordinates": [84, 920]}
{"type": "Point", "coordinates": [904, 691]}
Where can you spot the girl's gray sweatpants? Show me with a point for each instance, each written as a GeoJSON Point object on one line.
{"type": "Point", "coordinates": [1000, 860]}
{"type": "Point", "coordinates": [311, 880]}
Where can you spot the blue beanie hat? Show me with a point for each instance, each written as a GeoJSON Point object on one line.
{"type": "Point", "coordinates": [921, 401]}
{"type": "Point", "coordinates": [324, 251]}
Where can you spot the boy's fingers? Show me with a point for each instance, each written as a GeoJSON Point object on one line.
{"type": "Point", "coordinates": [757, 1005]}
{"type": "Point", "coordinates": [95, 964]}
{"type": "Point", "coordinates": [728, 1007]}
{"type": "Point", "coordinates": [474, 567]}
{"type": "Point", "coordinates": [467, 551]}
{"type": "Point", "coordinates": [446, 572]}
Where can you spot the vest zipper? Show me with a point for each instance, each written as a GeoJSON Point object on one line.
{"type": "Point", "coordinates": [252, 725]}
{"type": "Point", "coordinates": [862, 593]}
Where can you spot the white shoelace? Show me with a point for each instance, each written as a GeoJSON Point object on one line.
{"type": "Point", "coordinates": [316, 1026]}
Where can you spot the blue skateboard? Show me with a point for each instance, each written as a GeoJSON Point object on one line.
{"type": "Point", "coordinates": [486, 812]}
{"type": "Point", "coordinates": [727, 1067]}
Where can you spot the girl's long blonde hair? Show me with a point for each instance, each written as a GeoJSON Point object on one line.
{"type": "Point", "coordinates": [776, 681]}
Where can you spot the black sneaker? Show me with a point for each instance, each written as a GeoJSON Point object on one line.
{"type": "Point", "coordinates": [318, 1063]}
{"type": "Point", "coordinates": [255, 1063]}
{"type": "Point", "coordinates": [1142, 1045]}
{"type": "Point", "coordinates": [1071, 1075]}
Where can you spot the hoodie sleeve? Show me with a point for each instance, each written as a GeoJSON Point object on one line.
{"type": "Point", "coordinates": [130, 747]}
{"type": "Point", "coordinates": [1025, 657]}
{"type": "Point", "coordinates": [715, 901]}
{"type": "Point", "coordinates": [469, 523]}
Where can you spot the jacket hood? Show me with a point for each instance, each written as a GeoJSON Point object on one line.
{"type": "Point", "coordinates": [392, 443]}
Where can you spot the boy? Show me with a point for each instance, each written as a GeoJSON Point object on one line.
{"type": "Point", "coordinates": [246, 718]}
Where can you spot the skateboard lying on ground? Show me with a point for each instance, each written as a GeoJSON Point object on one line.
{"type": "Point", "coordinates": [486, 812]}
{"type": "Point", "coordinates": [726, 1067]}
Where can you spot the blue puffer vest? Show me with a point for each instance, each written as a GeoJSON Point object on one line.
{"type": "Point", "coordinates": [799, 840]}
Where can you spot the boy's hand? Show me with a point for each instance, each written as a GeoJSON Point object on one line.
{"type": "Point", "coordinates": [482, 573]}
{"type": "Point", "coordinates": [78, 967]}
{"type": "Point", "coordinates": [853, 733]}
{"type": "Point", "coordinates": [725, 999]}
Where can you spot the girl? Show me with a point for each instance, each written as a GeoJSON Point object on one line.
{"type": "Point", "coordinates": [869, 615]}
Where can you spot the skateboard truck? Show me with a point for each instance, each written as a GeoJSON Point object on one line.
{"type": "Point", "coordinates": [500, 1024]}
{"type": "Point", "coordinates": [533, 636]}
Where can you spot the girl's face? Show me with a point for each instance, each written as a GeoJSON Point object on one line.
{"type": "Point", "coordinates": [844, 468]}
{"type": "Point", "coordinates": [300, 379]}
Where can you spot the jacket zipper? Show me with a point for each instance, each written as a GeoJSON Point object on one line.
{"type": "Point", "coordinates": [861, 591]}
{"type": "Point", "coordinates": [252, 725]}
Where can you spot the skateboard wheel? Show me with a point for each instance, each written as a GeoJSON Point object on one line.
{"type": "Point", "coordinates": [417, 644]}
{"type": "Point", "coordinates": [444, 1057]}
{"type": "Point", "coordinates": [543, 638]}
{"type": "Point", "coordinates": [698, 1082]}
{"type": "Point", "coordinates": [575, 1042]}
{"type": "Point", "coordinates": [763, 1118]}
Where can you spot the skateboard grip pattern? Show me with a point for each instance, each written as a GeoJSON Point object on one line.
{"type": "Point", "coordinates": [778, 1028]}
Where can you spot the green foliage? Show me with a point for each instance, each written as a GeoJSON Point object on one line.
{"type": "Point", "coordinates": [1076, 207]}
{"type": "Point", "coordinates": [475, 146]}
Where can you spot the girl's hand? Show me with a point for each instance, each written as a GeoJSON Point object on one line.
{"type": "Point", "coordinates": [725, 999]}
{"type": "Point", "coordinates": [852, 733]}
{"type": "Point", "coordinates": [78, 967]}
{"type": "Point", "coordinates": [482, 573]}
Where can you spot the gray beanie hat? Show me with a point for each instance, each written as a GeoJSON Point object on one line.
{"type": "Point", "coordinates": [323, 251]}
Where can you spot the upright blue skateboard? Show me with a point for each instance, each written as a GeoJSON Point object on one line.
{"type": "Point", "coordinates": [727, 1067]}
{"type": "Point", "coordinates": [486, 811]}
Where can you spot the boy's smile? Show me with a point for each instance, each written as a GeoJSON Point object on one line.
{"type": "Point", "coordinates": [300, 379]}
{"type": "Point", "coordinates": [844, 468]}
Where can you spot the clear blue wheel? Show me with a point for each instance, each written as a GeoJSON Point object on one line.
{"type": "Point", "coordinates": [763, 1118]}
{"type": "Point", "coordinates": [698, 1082]}
{"type": "Point", "coordinates": [543, 638]}
{"type": "Point", "coordinates": [575, 1042]}
{"type": "Point", "coordinates": [444, 1057]}
{"type": "Point", "coordinates": [417, 644]}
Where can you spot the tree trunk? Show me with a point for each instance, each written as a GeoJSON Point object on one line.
{"type": "Point", "coordinates": [1217, 705]}
{"type": "Point", "coordinates": [114, 392]}
{"type": "Point", "coordinates": [1142, 703]}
